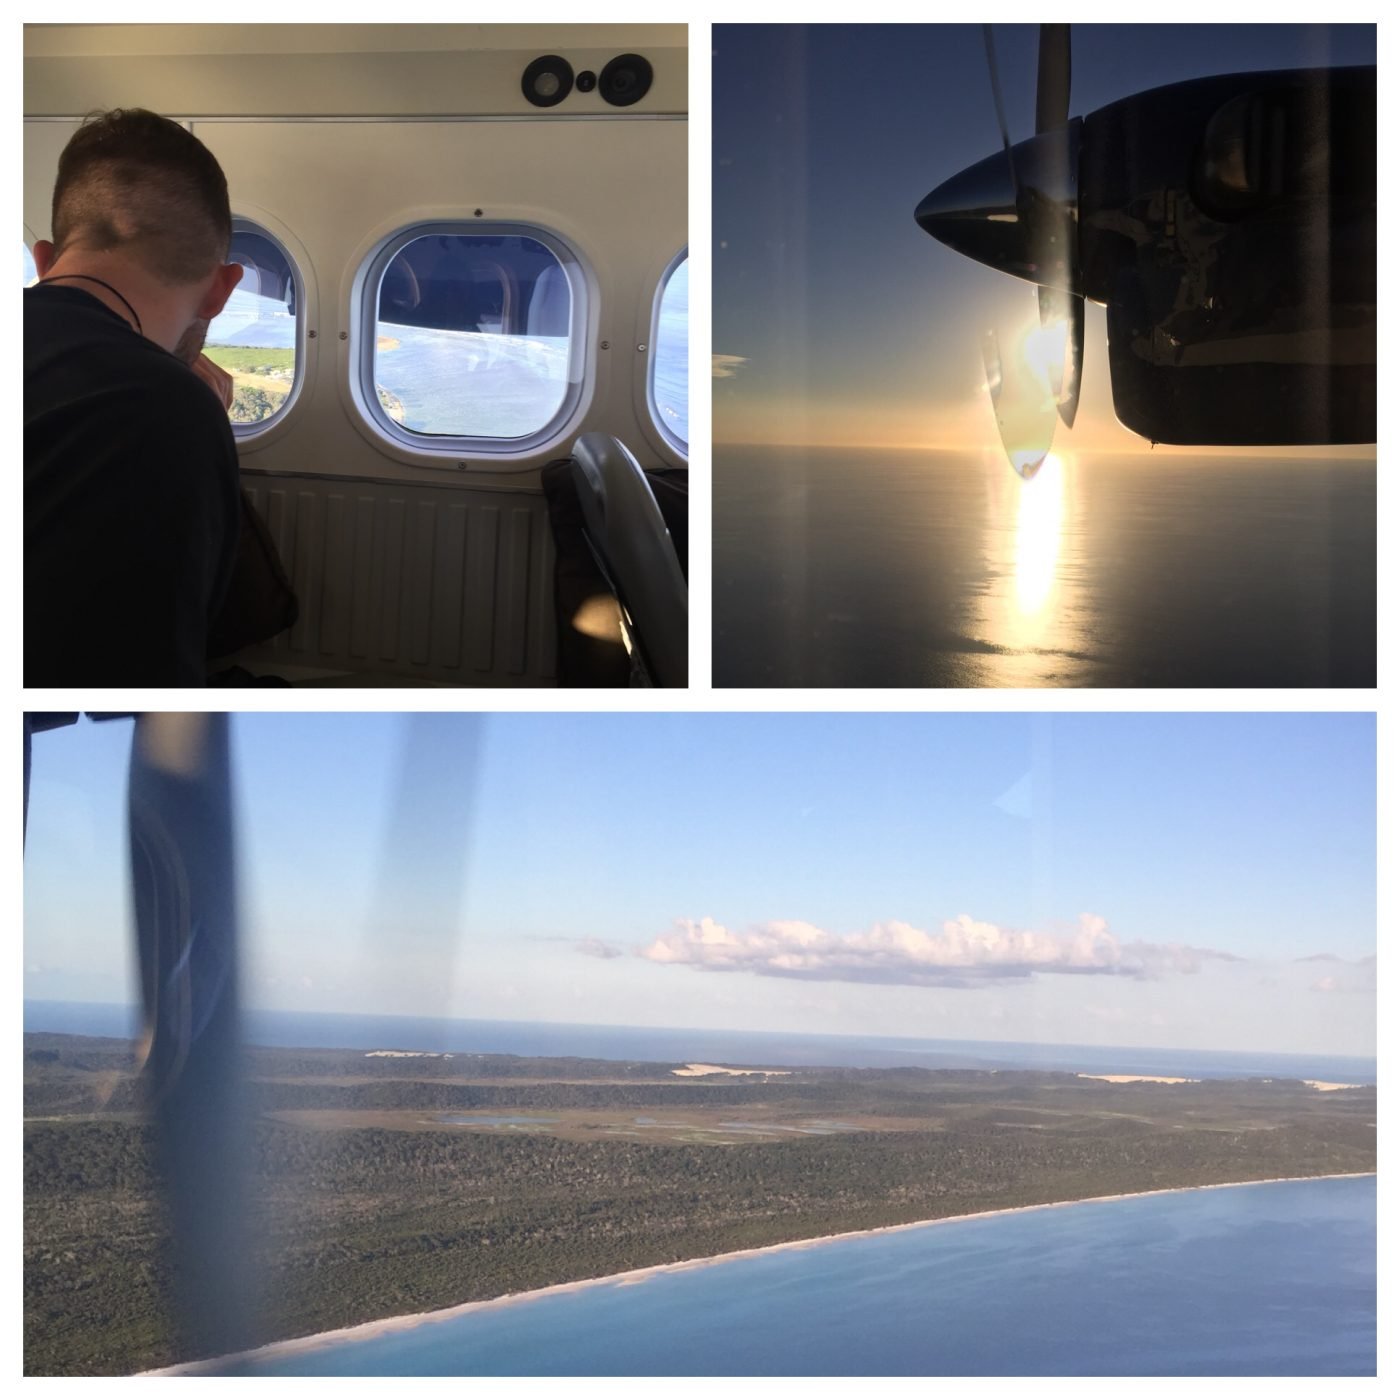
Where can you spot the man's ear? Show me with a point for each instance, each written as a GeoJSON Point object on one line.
{"type": "Point", "coordinates": [43, 257]}
{"type": "Point", "coordinates": [226, 278]}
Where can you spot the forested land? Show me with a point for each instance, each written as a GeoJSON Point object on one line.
{"type": "Point", "coordinates": [372, 1202]}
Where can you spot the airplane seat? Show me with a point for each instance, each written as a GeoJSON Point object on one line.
{"type": "Point", "coordinates": [629, 539]}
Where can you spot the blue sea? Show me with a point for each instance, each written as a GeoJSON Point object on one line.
{"type": "Point", "coordinates": [836, 567]}
{"type": "Point", "coordinates": [1276, 1279]}
{"type": "Point", "coordinates": [330, 1030]}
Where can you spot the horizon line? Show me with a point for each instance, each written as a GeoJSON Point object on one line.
{"type": "Point", "coordinates": [727, 1030]}
{"type": "Point", "coordinates": [1301, 452]}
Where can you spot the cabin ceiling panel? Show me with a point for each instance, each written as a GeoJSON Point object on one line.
{"type": "Point", "coordinates": [107, 40]}
{"type": "Point", "coordinates": [448, 82]}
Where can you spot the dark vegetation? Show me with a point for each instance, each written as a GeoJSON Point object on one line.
{"type": "Point", "coordinates": [369, 1207]}
{"type": "Point", "coordinates": [262, 378]}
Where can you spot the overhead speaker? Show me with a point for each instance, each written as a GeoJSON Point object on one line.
{"type": "Point", "coordinates": [547, 81]}
{"type": "Point", "coordinates": [625, 80]}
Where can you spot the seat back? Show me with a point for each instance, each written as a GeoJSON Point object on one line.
{"type": "Point", "coordinates": [633, 547]}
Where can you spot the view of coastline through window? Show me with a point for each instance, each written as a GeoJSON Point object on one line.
{"type": "Point", "coordinates": [254, 337]}
{"type": "Point", "coordinates": [473, 336]}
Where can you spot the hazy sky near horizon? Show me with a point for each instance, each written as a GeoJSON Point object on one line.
{"type": "Point", "coordinates": [1178, 880]}
{"type": "Point", "coordinates": [837, 320]}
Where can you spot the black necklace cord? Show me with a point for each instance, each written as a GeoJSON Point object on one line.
{"type": "Point", "coordinates": [84, 277]}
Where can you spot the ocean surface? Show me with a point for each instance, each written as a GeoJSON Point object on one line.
{"type": "Point", "coordinates": [835, 567]}
{"type": "Point", "coordinates": [1276, 1279]}
{"type": "Point", "coordinates": [331, 1030]}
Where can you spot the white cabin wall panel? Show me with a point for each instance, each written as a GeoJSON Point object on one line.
{"type": "Point", "coordinates": [43, 144]}
{"type": "Point", "coordinates": [616, 192]}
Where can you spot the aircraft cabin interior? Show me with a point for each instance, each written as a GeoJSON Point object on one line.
{"type": "Point", "coordinates": [459, 347]}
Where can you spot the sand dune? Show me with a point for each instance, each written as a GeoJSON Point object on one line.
{"type": "Point", "coordinates": [1139, 1078]}
{"type": "Point", "coordinates": [720, 1069]}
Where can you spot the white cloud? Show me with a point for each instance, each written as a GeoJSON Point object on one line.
{"type": "Point", "coordinates": [727, 366]}
{"type": "Point", "coordinates": [964, 952]}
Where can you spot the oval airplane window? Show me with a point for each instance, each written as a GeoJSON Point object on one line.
{"type": "Point", "coordinates": [670, 355]}
{"type": "Point", "coordinates": [257, 334]}
{"type": "Point", "coordinates": [31, 273]}
{"type": "Point", "coordinates": [474, 337]}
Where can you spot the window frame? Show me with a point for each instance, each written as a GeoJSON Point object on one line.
{"type": "Point", "coordinates": [250, 436]}
{"type": "Point", "coordinates": [681, 447]}
{"type": "Point", "coordinates": [457, 451]}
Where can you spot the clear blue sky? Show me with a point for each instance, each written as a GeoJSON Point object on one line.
{"type": "Point", "coordinates": [842, 321]}
{"type": "Point", "coordinates": [534, 867]}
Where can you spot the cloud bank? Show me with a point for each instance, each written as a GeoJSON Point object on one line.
{"type": "Point", "coordinates": [963, 952]}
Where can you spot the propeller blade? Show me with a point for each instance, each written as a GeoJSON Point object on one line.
{"type": "Point", "coordinates": [1074, 362]}
{"type": "Point", "coordinates": [1052, 91]}
{"type": "Point", "coordinates": [991, 48]}
{"type": "Point", "coordinates": [1025, 410]}
{"type": "Point", "coordinates": [180, 814]}
{"type": "Point", "coordinates": [1063, 309]}
{"type": "Point", "coordinates": [1052, 78]}
{"type": "Point", "coordinates": [421, 882]}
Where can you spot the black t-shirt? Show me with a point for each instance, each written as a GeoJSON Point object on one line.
{"type": "Point", "coordinates": [130, 501]}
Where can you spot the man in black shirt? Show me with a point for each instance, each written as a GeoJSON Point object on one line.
{"type": "Point", "coordinates": [131, 508]}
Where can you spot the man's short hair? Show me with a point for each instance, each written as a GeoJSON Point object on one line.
{"type": "Point", "coordinates": [133, 181]}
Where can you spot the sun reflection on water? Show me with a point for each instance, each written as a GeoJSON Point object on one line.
{"type": "Point", "coordinates": [1029, 610]}
{"type": "Point", "coordinates": [1040, 515]}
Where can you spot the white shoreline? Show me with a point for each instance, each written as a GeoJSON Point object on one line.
{"type": "Point", "coordinates": [363, 1331]}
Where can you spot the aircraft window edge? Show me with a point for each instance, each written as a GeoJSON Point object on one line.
{"type": "Point", "coordinates": [678, 442]}
{"type": "Point", "coordinates": [248, 433]}
{"type": "Point", "coordinates": [484, 450]}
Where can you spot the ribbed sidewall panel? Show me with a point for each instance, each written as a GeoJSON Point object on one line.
{"type": "Point", "coordinates": [413, 581]}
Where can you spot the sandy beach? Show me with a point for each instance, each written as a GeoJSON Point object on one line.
{"type": "Point", "coordinates": [366, 1330]}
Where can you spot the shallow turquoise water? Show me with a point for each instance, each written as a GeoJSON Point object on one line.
{"type": "Point", "coordinates": [1273, 1279]}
